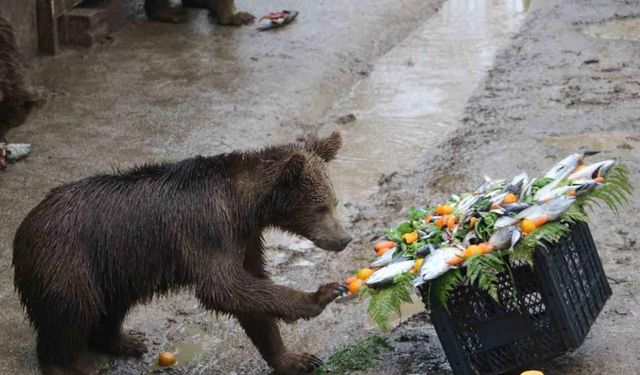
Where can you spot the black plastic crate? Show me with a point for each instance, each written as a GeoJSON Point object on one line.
{"type": "Point", "coordinates": [556, 303]}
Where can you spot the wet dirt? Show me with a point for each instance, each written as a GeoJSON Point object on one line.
{"type": "Point", "coordinates": [555, 89]}
{"type": "Point", "coordinates": [417, 91]}
{"type": "Point", "coordinates": [158, 92]}
{"type": "Point", "coordinates": [154, 92]}
{"type": "Point", "coordinates": [624, 29]}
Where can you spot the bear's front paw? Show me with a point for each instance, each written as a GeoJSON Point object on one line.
{"type": "Point", "coordinates": [238, 19]}
{"type": "Point", "coordinates": [294, 364]}
{"type": "Point", "coordinates": [327, 293]}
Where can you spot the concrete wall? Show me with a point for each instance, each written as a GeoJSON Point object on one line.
{"type": "Point", "coordinates": [22, 16]}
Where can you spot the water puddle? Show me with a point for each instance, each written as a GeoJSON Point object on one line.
{"type": "Point", "coordinates": [417, 91]}
{"type": "Point", "coordinates": [624, 29]}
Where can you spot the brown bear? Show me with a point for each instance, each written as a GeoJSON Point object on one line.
{"type": "Point", "coordinates": [93, 248]}
{"type": "Point", "coordinates": [223, 10]}
{"type": "Point", "coordinates": [15, 99]}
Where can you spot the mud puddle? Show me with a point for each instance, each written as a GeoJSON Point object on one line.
{"type": "Point", "coordinates": [624, 29]}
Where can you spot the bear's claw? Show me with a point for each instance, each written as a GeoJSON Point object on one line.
{"type": "Point", "coordinates": [295, 364]}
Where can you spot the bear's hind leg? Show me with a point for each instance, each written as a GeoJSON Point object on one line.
{"type": "Point", "coordinates": [265, 335]}
{"type": "Point", "coordinates": [108, 337]}
{"type": "Point", "coordinates": [225, 11]}
{"type": "Point", "coordinates": [58, 349]}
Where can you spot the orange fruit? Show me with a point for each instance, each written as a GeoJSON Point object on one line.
{"type": "Point", "coordinates": [510, 198]}
{"type": "Point", "coordinates": [472, 222]}
{"type": "Point", "coordinates": [166, 359]}
{"type": "Point", "coordinates": [486, 247]}
{"type": "Point", "coordinates": [410, 237]}
{"type": "Point", "coordinates": [444, 210]}
{"type": "Point", "coordinates": [355, 286]}
{"type": "Point", "coordinates": [527, 226]}
{"type": "Point", "coordinates": [382, 251]}
{"type": "Point", "coordinates": [427, 219]}
{"type": "Point", "coordinates": [349, 280]}
{"type": "Point", "coordinates": [472, 250]}
{"type": "Point", "coordinates": [418, 264]}
{"type": "Point", "coordinates": [451, 222]}
{"type": "Point", "coordinates": [364, 273]}
{"type": "Point", "coordinates": [384, 245]}
{"type": "Point", "coordinates": [440, 222]}
{"type": "Point", "coordinates": [456, 260]}
{"type": "Point", "coordinates": [540, 220]}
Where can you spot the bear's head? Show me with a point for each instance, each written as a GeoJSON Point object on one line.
{"type": "Point", "coordinates": [305, 197]}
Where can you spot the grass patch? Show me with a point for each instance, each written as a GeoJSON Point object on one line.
{"type": "Point", "coordinates": [361, 356]}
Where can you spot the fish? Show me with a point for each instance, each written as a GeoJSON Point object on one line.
{"type": "Point", "coordinates": [505, 221]}
{"type": "Point", "coordinates": [554, 208]}
{"type": "Point", "coordinates": [435, 264]}
{"type": "Point", "coordinates": [514, 208]}
{"type": "Point", "coordinates": [517, 183]}
{"type": "Point", "coordinates": [425, 250]}
{"type": "Point", "coordinates": [385, 275]}
{"type": "Point", "coordinates": [388, 257]}
{"type": "Point", "coordinates": [526, 189]}
{"type": "Point", "coordinates": [498, 198]}
{"type": "Point", "coordinates": [584, 186]}
{"type": "Point", "coordinates": [548, 188]}
{"type": "Point", "coordinates": [466, 241]}
{"type": "Point", "coordinates": [592, 171]}
{"type": "Point", "coordinates": [569, 164]}
{"type": "Point", "coordinates": [505, 237]}
{"type": "Point", "coordinates": [563, 190]}
{"type": "Point", "coordinates": [576, 188]}
{"type": "Point", "coordinates": [465, 204]}
{"type": "Point", "coordinates": [488, 185]}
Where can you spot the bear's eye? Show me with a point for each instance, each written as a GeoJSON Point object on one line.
{"type": "Point", "coordinates": [322, 209]}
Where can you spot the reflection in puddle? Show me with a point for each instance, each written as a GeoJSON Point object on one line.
{"type": "Point", "coordinates": [625, 29]}
{"type": "Point", "coordinates": [418, 90]}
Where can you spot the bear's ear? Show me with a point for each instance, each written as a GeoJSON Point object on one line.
{"type": "Point", "coordinates": [325, 148]}
{"type": "Point", "coordinates": [293, 168]}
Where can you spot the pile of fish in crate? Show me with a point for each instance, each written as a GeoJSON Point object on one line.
{"type": "Point", "coordinates": [509, 271]}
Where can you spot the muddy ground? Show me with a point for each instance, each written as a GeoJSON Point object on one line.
{"type": "Point", "coordinates": [569, 80]}
{"type": "Point", "coordinates": [566, 80]}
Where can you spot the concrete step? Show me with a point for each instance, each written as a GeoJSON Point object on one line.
{"type": "Point", "coordinates": [83, 27]}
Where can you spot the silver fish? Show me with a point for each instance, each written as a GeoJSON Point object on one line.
{"type": "Point", "coordinates": [526, 189]}
{"type": "Point", "coordinates": [386, 274]}
{"type": "Point", "coordinates": [385, 258]}
{"type": "Point", "coordinates": [516, 184]}
{"type": "Point", "coordinates": [465, 204]}
{"type": "Point", "coordinates": [565, 166]}
{"type": "Point", "coordinates": [488, 185]}
{"type": "Point", "coordinates": [554, 208]}
{"type": "Point", "coordinates": [503, 238]}
{"type": "Point", "coordinates": [505, 221]}
{"type": "Point", "coordinates": [581, 187]}
{"type": "Point", "coordinates": [548, 188]}
{"type": "Point", "coordinates": [514, 208]}
{"type": "Point", "coordinates": [592, 171]}
{"type": "Point", "coordinates": [569, 164]}
{"type": "Point", "coordinates": [435, 264]}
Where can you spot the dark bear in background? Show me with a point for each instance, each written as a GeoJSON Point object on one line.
{"type": "Point", "coordinates": [93, 248]}
{"type": "Point", "coordinates": [15, 100]}
{"type": "Point", "coordinates": [223, 10]}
